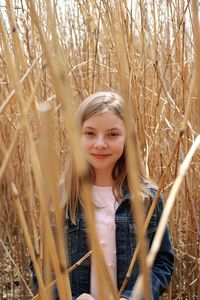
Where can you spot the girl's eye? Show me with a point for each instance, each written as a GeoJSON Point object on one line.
{"type": "Point", "coordinates": [89, 133]}
{"type": "Point", "coordinates": [113, 134]}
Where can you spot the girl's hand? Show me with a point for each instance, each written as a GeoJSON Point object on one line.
{"type": "Point", "coordinates": [89, 297]}
{"type": "Point", "coordinates": [85, 297]}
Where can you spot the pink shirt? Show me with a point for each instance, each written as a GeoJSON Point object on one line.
{"type": "Point", "coordinates": [105, 207]}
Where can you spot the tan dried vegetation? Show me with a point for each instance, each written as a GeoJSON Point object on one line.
{"type": "Point", "coordinates": [53, 54]}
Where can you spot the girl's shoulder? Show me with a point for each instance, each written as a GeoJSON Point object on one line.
{"type": "Point", "coordinates": [148, 191]}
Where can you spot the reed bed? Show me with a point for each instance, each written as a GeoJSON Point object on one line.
{"type": "Point", "coordinates": [52, 55]}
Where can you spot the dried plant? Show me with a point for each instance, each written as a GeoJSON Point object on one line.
{"type": "Point", "coordinates": [52, 55]}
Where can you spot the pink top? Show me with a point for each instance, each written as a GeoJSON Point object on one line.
{"type": "Point", "coordinates": [105, 207]}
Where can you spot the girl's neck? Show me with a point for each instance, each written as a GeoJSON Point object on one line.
{"type": "Point", "coordinates": [102, 179]}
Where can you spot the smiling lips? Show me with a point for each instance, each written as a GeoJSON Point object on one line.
{"type": "Point", "coordinates": [101, 156]}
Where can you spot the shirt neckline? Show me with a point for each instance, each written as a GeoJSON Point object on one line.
{"type": "Point", "coordinates": [98, 187]}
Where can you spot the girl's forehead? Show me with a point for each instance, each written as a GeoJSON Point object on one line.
{"type": "Point", "coordinates": [104, 119]}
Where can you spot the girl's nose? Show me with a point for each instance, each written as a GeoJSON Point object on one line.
{"type": "Point", "coordinates": [100, 143]}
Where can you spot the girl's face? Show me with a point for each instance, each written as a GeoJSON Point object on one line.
{"type": "Point", "coordinates": [102, 139]}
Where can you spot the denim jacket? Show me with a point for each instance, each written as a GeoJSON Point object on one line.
{"type": "Point", "coordinates": [125, 245]}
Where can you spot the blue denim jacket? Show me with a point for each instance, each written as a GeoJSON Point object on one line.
{"type": "Point", "coordinates": [125, 245]}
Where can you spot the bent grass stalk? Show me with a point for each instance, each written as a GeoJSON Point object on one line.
{"type": "Point", "coordinates": [149, 215]}
{"type": "Point", "coordinates": [26, 74]}
{"type": "Point", "coordinates": [138, 209]}
{"type": "Point", "coordinates": [165, 215]}
{"type": "Point", "coordinates": [80, 44]}
{"type": "Point", "coordinates": [64, 94]}
{"type": "Point", "coordinates": [69, 270]}
{"type": "Point", "coordinates": [29, 243]}
{"type": "Point", "coordinates": [19, 94]}
{"type": "Point", "coordinates": [14, 264]}
{"type": "Point", "coordinates": [183, 127]}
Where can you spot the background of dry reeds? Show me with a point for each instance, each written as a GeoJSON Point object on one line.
{"type": "Point", "coordinates": [53, 54]}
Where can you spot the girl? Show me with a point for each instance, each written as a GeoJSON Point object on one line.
{"type": "Point", "coordinates": [103, 140]}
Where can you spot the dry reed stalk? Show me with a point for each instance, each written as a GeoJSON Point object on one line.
{"type": "Point", "coordinates": [137, 293]}
{"type": "Point", "coordinates": [161, 183]}
{"type": "Point", "coordinates": [173, 40]}
{"type": "Point", "coordinates": [60, 274]}
{"type": "Point", "coordinates": [8, 153]}
{"type": "Point", "coordinates": [69, 131]}
{"type": "Point", "coordinates": [78, 263]}
{"type": "Point", "coordinates": [149, 215]}
{"type": "Point", "coordinates": [32, 207]}
{"type": "Point", "coordinates": [60, 79]}
{"type": "Point", "coordinates": [14, 264]}
{"type": "Point", "coordinates": [69, 270]}
{"type": "Point", "coordinates": [50, 186]}
{"type": "Point", "coordinates": [18, 52]}
{"type": "Point", "coordinates": [176, 35]}
{"type": "Point", "coordinates": [63, 92]}
{"type": "Point", "coordinates": [131, 158]}
{"type": "Point", "coordinates": [24, 225]}
{"type": "Point", "coordinates": [23, 78]}
{"type": "Point", "coordinates": [195, 90]}
{"type": "Point", "coordinates": [28, 241]}
{"type": "Point", "coordinates": [59, 74]}
{"type": "Point", "coordinates": [61, 279]}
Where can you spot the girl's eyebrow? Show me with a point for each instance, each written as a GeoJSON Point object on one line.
{"type": "Point", "coordinates": [110, 129]}
{"type": "Point", "coordinates": [88, 127]}
{"type": "Point", "coordinates": [114, 129]}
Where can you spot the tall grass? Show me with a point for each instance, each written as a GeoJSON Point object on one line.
{"type": "Point", "coordinates": [52, 55]}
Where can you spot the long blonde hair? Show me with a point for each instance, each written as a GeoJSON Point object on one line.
{"type": "Point", "coordinates": [70, 187]}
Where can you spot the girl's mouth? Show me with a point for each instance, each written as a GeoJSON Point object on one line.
{"type": "Point", "coordinates": [101, 156]}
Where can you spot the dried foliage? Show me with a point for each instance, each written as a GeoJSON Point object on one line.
{"type": "Point", "coordinates": [52, 55]}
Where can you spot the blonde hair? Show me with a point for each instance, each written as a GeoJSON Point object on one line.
{"type": "Point", "coordinates": [70, 190]}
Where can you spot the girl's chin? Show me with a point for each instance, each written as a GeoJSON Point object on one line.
{"type": "Point", "coordinates": [102, 168]}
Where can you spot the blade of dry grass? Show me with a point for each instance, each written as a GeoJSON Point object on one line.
{"type": "Point", "coordinates": [29, 243]}
{"type": "Point", "coordinates": [165, 216]}
{"type": "Point", "coordinates": [14, 75]}
{"type": "Point", "coordinates": [63, 92]}
{"type": "Point", "coordinates": [138, 209]}
{"type": "Point", "coordinates": [161, 55]}
{"type": "Point", "coordinates": [69, 270]}
{"type": "Point", "coordinates": [23, 78]}
{"type": "Point", "coordinates": [16, 267]}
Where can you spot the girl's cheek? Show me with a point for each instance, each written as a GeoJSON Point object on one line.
{"type": "Point", "coordinates": [85, 143]}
